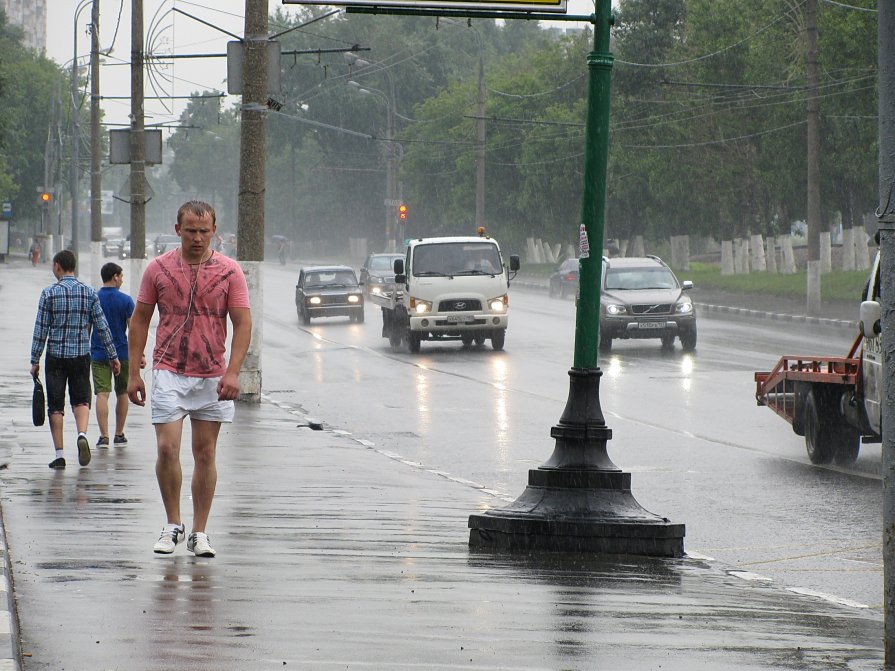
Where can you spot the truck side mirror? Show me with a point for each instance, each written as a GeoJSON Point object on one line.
{"type": "Point", "coordinates": [514, 262]}
{"type": "Point", "coordinates": [400, 277]}
{"type": "Point", "coordinates": [870, 315]}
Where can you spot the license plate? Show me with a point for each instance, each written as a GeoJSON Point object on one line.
{"type": "Point", "coordinates": [651, 325]}
{"type": "Point", "coordinates": [460, 319]}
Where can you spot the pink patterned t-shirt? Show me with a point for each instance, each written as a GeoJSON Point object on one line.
{"type": "Point", "coordinates": [193, 303]}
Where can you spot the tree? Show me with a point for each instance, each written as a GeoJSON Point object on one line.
{"type": "Point", "coordinates": [28, 84]}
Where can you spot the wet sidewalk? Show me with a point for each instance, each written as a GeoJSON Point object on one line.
{"type": "Point", "coordinates": [335, 553]}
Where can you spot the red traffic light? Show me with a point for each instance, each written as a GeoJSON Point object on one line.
{"type": "Point", "coordinates": [402, 212]}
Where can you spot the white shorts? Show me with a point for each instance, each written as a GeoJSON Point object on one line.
{"type": "Point", "coordinates": [174, 396]}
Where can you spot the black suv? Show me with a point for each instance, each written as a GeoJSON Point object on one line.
{"type": "Point", "coordinates": [642, 298]}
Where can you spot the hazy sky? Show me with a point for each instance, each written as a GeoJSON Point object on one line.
{"type": "Point", "coordinates": [167, 32]}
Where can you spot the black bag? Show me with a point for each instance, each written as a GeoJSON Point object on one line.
{"type": "Point", "coordinates": [38, 404]}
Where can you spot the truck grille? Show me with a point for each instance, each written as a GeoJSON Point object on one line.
{"type": "Point", "coordinates": [653, 309]}
{"type": "Point", "coordinates": [460, 305]}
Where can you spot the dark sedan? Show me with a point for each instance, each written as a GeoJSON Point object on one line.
{"type": "Point", "coordinates": [377, 275]}
{"type": "Point", "coordinates": [328, 291]}
{"type": "Point", "coordinates": [564, 282]}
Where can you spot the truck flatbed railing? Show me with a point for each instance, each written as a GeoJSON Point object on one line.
{"type": "Point", "coordinates": [776, 389]}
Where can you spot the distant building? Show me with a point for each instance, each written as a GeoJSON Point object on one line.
{"type": "Point", "coordinates": [31, 17]}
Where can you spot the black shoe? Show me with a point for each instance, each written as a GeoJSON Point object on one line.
{"type": "Point", "coordinates": [58, 463]}
{"type": "Point", "coordinates": [83, 450]}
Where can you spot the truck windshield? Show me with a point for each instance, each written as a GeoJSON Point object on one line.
{"type": "Point", "coordinates": [456, 258]}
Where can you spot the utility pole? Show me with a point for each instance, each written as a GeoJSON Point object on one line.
{"type": "Point", "coordinates": [137, 150]}
{"type": "Point", "coordinates": [813, 161]}
{"type": "Point", "coordinates": [96, 214]}
{"type": "Point", "coordinates": [74, 174]}
{"type": "Point", "coordinates": [393, 228]}
{"type": "Point", "coordinates": [886, 218]}
{"type": "Point", "coordinates": [480, 143]}
{"type": "Point", "coordinates": [252, 154]}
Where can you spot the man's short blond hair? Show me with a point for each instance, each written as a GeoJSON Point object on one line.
{"type": "Point", "coordinates": [197, 207]}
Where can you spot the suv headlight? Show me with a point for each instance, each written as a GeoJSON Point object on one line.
{"type": "Point", "coordinates": [499, 304]}
{"type": "Point", "coordinates": [354, 298]}
{"type": "Point", "coordinates": [315, 300]}
{"type": "Point", "coordinates": [685, 307]}
{"type": "Point", "coordinates": [419, 306]}
{"type": "Point", "coordinates": [615, 309]}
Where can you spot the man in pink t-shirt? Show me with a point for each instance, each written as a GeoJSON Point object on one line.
{"type": "Point", "coordinates": [195, 289]}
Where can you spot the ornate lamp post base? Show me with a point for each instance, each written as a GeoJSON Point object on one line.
{"type": "Point", "coordinates": [579, 501]}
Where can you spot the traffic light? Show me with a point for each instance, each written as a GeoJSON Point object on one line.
{"type": "Point", "coordinates": [402, 212]}
{"type": "Point", "coordinates": [46, 197]}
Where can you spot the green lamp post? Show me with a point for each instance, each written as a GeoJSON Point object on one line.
{"type": "Point", "coordinates": [579, 501]}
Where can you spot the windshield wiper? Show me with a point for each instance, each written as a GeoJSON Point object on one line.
{"type": "Point", "coordinates": [474, 271]}
{"type": "Point", "coordinates": [429, 273]}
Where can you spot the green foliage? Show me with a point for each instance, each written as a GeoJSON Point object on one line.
{"type": "Point", "coordinates": [837, 285]}
{"type": "Point", "coordinates": [707, 131]}
{"type": "Point", "coordinates": [27, 86]}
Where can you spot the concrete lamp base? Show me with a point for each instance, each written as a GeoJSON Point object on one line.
{"type": "Point", "coordinates": [579, 501]}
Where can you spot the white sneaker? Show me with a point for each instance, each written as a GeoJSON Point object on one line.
{"type": "Point", "coordinates": [199, 545]}
{"type": "Point", "coordinates": [171, 535]}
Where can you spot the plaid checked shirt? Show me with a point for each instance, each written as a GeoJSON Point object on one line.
{"type": "Point", "coordinates": [64, 313]}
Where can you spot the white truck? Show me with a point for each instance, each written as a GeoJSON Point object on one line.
{"type": "Point", "coordinates": [833, 401]}
{"type": "Point", "coordinates": [451, 288]}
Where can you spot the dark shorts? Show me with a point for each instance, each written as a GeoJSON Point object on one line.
{"type": "Point", "coordinates": [72, 372]}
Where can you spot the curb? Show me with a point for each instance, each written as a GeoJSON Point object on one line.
{"type": "Point", "coordinates": [10, 653]}
{"type": "Point", "coordinates": [777, 316]}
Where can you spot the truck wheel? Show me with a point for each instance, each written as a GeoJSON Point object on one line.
{"type": "Point", "coordinates": [413, 342]}
{"type": "Point", "coordinates": [849, 446]}
{"type": "Point", "coordinates": [497, 339]}
{"type": "Point", "coordinates": [466, 339]}
{"type": "Point", "coordinates": [688, 339]}
{"type": "Point", "coordinates": [479, 339]}
{"type": "Point", "coordinates": [358, 316]}
{"type": "Point", "coordinates": [395, 340]}
{"type": "Point", "coordinates": [820, 442]}
{"type": "Point", "coordinates": [304, 316]}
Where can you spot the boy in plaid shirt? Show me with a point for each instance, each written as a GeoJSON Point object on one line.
{"type": "Point", "coordinates": [65, 314]}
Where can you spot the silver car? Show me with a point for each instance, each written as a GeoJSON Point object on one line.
{"type": "Point", "coordinates": [642, 298]}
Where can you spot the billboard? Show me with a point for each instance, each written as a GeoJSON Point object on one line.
{"type": "Point", "coordinates": [558, 6]}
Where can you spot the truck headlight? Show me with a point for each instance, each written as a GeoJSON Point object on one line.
{"type": "Point", "coordinates": [314, 300]}
{"type": "Point", "coordinates": [419, 306]}
{"type": "Point", "coordinates": [353, 298]}
{"type": "Point", "coordinates": [499, 304]}
{"type": "Point", "coordinates": [685, 307]}
{"type": "Point", "coordinates": [615, 309]}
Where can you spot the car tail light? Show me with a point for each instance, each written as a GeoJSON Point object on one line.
{"type": "Point", "coordinates": [570, 277]}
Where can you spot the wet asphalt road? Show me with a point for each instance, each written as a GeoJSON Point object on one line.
{"type": "Point", "coordinates": [346, 547]}
{"type": "Point", "coordinates": [686, 426]}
